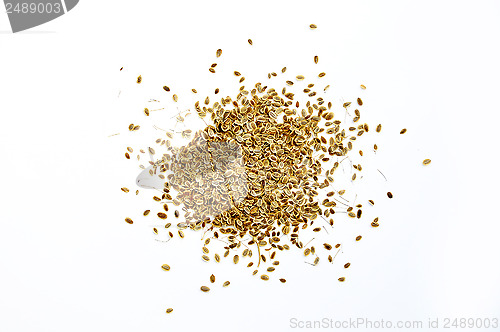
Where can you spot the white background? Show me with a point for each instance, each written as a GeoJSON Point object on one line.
{"type": "Point", "coordinates": [68, 261]}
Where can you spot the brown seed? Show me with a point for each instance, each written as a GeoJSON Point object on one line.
{"type": "Point", "coordinates": [313, 26]}
{"type": "Point", "coordinates": [237, 73]}
{"type": "Point", "coordinates": [169, 310]}
{"type": "Point", "coordinates": [346, 265]}
{"type": "Point", "coordinates": [176, 213]}
{"type": "Point", "coordinates": [270, 269]}
{"type": "Point", "coordinates": [212, 278]}
{"type": "Point", "coordinates": [128, 220]}
{"type": "Point", "coordinates": [371, 202]}
{"type": "Point", "coordinates": [389, 194]}
{"type": "Point", "coordinates": [426, 161]}
{"type": "Point", "coordinates": [316, 59]}
{"type": "Point", "coordinates": [146, 111]}
{"type": "Point", "coordinates": [127, 155]}
{"type": "Point", "coordinates": [125, 190]}
{"type": "Point", "coordinates": [283, 280]}
{"type": "Point", "coordinates": [218, 53]}
{"type": "Point", "coordinates": [162, 215]}
{"type": "Point", "coordinates": [402, 131]}
{"type": "Point", "coordinates": [175, 98]}
{"type": "Point", "coordinates": [250, 42]}
{"type": "Point", "coordinates": [358, 237]}
{"type": "Point", "coordinates": [139, 79]}
{"type": "Point", "coordinates": [321, 74]}
{"type": "Point", "coordinates": [264, 277]}
{"type": "Point", "coordinates": [236, 259]}
{"type": "Point", "coordinates": [194, 90]}
{"type": "Point", "coordinates": [327, 246]}
{"type": "Point", "coordinates": [146, 212]}
{"type": "Point", "coordinates": [181, 233]}
{"type": "Point", "coordinates": [217, 258]}
{"type": "Point", "coordinates": [166, 88]}
{"type": "Point", "coordinates": [379, 128]}
{"type": "Point", "coordinates": [300, 77]}
{"type": "Point", "coordinates": [255, 272]}
{"type": "Point", "coordinates": [204, 289]}
{"type": "Point", "coordinates": [165, 267]}
{"type": "Point", "coordinates": [211, 70]}
{"type": "Point", "coordinates": [283, 69]}
{"type": "Point", "coordinates": [341, 279]}
{"type": "Point", "coordinates": [226, 283]}
{"type": "Point", "coordinates": [375, 224]}
{"type": "Point", "coordinates": [205, 258]}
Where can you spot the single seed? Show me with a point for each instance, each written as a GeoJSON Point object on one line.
{"type": "Point", "coordinates": [205, 289]}
{"type": "Point", "coordinates": [166, 88]}
{"type": "Point", "coordinates": [217, 258]}
{"type": "Point", "coordinates": [363, 87]}
{"type": "Point", "coordinates": [341, 279]}
{"type": "Point", "coordinates": [360, 102]}
{"type": "Point", "coordinates": [212, 278]}
{"type": "Point", "coordinates": [250, 42]}
{"type": "Point", "coordinates": [316, 59]}
{"type": "Point", "coordinates": [264, 277]}
{"type": "Point", "coordinates": [128, 220]}
{"type": "Point", "coordinates": [175, 98]}
{"type": "Point", "coordinates": [218, 53]}
{"type": "Point", "coordinates": [205, 258]}
{"type": "Point", "coordinates": [125, 190]}
{"type": "Point", "coordinates": [313, 26]}
{"type": "Point", "coordinates": [300, 77]}
{"type": "Point", "coordinates": [426, 161]}
{"type": "Point", "coordinates": [379, 128]}
{"type": "Point", "coordinates": [139, 79]}
{"type": "Point", "coordinates": [181, 233]}
{"type": "Point", "coordinates": [165, 267]}
{"type": "Point", "coordinates": [169, 310]}
{"type": "Point", "coordinates": [346, 265]}
{"type": "Point", "coordinates": [389, 194]}
{"type": "Point", "coordinates": [358, 237]}
{"type": "Point", "coordinates": [402, 131]}
{"type": "Point", "coordinates": [283, 280]}
{"type": "Point", "coordinates": [236, 259]}
{"type": "Point", "coordinates": [226, 283]}
{"type": "Point", "coordinates": [321, 74]}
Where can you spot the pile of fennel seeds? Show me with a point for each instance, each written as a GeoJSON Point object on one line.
{"type": "Point", "coordinates": [263, 175]}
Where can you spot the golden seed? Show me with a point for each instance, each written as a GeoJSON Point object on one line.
{"type": "Point", "coordinates": [402, 131]}
{"type": "Point", "coordinates": [125, 190]}
{"type": "Point", "coordinates": [426, 161]}
{"type": "Point", "coordinates": [316, 59]}
{"type": "Point", "coordinates": [250, 42]}
{"type": "Point", "coordinates": [146, 111]}
{"type": "Point", "coordinates": [217, 258]}
{"type": "Point", "coordinates": [204, 289]}
{"type": "Point", "coordinates": [360, 102]}
{"type": "Point", "coordinates": [236, 259]}
{"type": "Point", "coordinates": [264, 277]}
{"type": "Point", "coordinates": [128, 220]}
{"type": "Point", "coordinates": [283, 69]}
{"type": "Point", "coordinates": [270, 269]}
{"type": "Point", "coordinates": [218, 53]}
{"type": "Point", "coordinates": [212, 278]}
{"type": "Point", "coordinates": [175, 98]}
{"type": "Point", "coordinates": [379, 128]}
{"type": "Point", "coordinates": [341, 279]}
{"type": "Point", "coordinates": [162, 215]}
{"type": "Point", "coordinates": [226, 283]}
{"type": "Point", "coordinates": [321, 74]}
{"type": "Point", "coordinates": [139, 79]}
{"type": "Point", "coordinates": [205, 258]}
{"type": "Point", "coordinates": [211, 70]}
{"type": "Point", "coordinates": [255, 272]}
{"type": "Point", "coordinates": [169, 310]}
{"type": "Point", "coordinates": [312, 26]}
{"type": "Point", "coordinates": [181, 233]}
{"type": "Point", "coordinates": [166, 267]}
{"type": "Point", "coordinates": [363, 87]}
{"type": "Point", "coordinates": [358, 237]}
{"type": "Point", "coordinates": [300, 77]}
{"type": "Point", "coordinates": [389, 194]}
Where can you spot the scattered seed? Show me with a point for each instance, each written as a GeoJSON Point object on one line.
{"type": "Point", "coordinates": [426, 161]}
{"type": "Point", "coordinates": [128, 220]}
{"type": "Point", "coordinates": [226, 283]}
{"type": "Point", "coordinates": [312, 26]}
{"type": "Point", "coordinates": [166, 267]}
{"type": "Point", "coordinates": [358, 237]}
{"type": "Point", "coordinates": [402, 131]}
{"type": "Point", "coordinates": [264, 277]}
{"type": "Point", "coordinates": [250, 42]}
{"type": "Point", "coordinates": [212, 278]}
{"type": "Point", "coordinates": [218, 53]}
{"type": "Point", "coordinates": [169, 310]}
{"type": "Point", "coordinates": [205, 289]}
{"type": "Point", "coordinates": [389, 194]}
